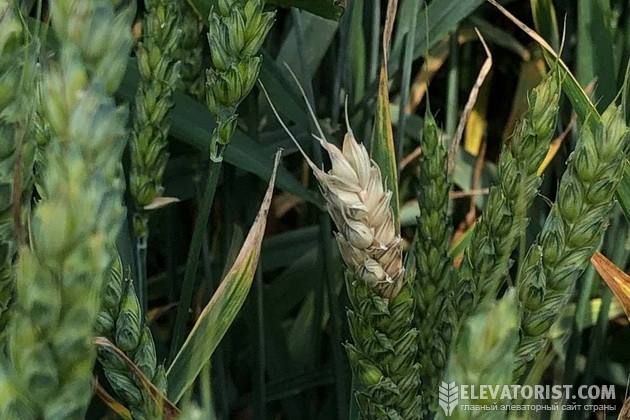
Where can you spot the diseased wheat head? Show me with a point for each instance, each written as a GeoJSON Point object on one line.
{"type": "Point", "coordinates": [359, 205]}
{"type": "Point", "coordinates": [360, 208]}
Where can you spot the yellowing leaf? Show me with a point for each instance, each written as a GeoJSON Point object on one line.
{"type": "Point", "coordinates": [476, 124]}
{"type": "Point", "coordinates": [617, 280]}
{"type": "Point", "coordinates": [220, 312]}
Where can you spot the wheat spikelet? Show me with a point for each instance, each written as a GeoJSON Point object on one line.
{"type": "Point", "coordinates": [120, 321]}
{"type": "Point", "coordinates": [360, 207]}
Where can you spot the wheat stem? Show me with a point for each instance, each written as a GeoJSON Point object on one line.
{"type": "Point", "coordinates": [236, 31]}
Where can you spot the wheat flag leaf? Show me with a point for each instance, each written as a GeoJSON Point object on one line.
{"type": "Point", "coordinates": [218, 315]}
{"type": "Point", "coordinates": [617, 280]}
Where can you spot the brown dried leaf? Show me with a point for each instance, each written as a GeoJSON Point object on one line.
{"type": "Point", "coordinates": [617, 280]}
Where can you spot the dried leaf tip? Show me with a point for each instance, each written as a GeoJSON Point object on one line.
{"type": "Point", "coordinates": [360, 207]}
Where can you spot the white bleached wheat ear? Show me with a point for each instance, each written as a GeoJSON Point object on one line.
{"type": "Point", "coordinates": [384, 350]}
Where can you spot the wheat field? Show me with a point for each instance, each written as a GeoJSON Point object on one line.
{"type": "Point", "coordinates": [314, 209]}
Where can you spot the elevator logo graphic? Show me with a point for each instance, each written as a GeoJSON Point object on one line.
{"type": "Point", "coordinates": [448, 397]}
{"type": "Point", "coordinates": [480, 398]}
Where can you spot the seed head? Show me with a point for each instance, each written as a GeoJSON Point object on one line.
{"type": "Point", "coordinates": [360, 207]}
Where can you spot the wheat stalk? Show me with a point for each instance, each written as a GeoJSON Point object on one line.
{"type": "Point", "coordinates": [236, 30]}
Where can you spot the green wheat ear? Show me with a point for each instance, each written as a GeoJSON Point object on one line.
{"type": "Point", "coordinates": [572, 231]}
{"type": "Point", "coordinates": [236, 31]}
{"type": "Point", "coordinates": [61, 274]}
{"type": "Point", "coordinates": [487, 258]}
{"type": "Point", "coordinates": [435, 317]}
{"type": "Point", "coordinates": [190, 54]}
{"type": "Point", "coordinates": [159, 76]}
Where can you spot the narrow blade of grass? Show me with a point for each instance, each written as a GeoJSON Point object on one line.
{"type": "Point", "coordinates": [545, 21]}
{"type": "Point", "coordinates": [595, 58]}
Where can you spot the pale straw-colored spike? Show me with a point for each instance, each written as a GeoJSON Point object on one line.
{"type": "Point", "coordinates": [359, 205]}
